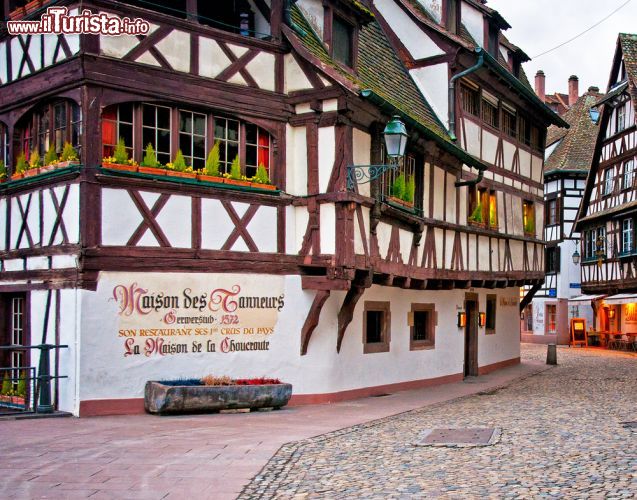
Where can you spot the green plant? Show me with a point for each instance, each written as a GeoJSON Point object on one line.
{"type": "Point", "coordinates": [120, 154]}
{"type": "Point", "coordinates": [68, 153]}
{"type": "Point", "coordinates": [235, 169]}
{"type": "Point", "coordinates": [398, 187]}
{"type": "Point", "coordinates": [50, 157]}
{"type": "Point", "coordinates": [493, 215]}
{"type": "Point", "coordinates": [262, 176]}
{"type": "Point", "coordinates": [22, 385]}
{"type": "Point", "coordinates": [410, 190]}
{"type": "Point", "coordinates": [3, 170]}
{"type": "Point", "coordinates": [34, 159]}
{"type": "Point", "coordinates": [476, 215]}
{"type": "Point", "coordinates": [179, 164]}
{"type": "Point", "coordinates": [150, 159]}
{"type": "Point", "coordinates": [529, 226]}
{"type": "Point", "coordinates": [213, 161]}
{"type": "Point", "coordinates": [21, 165]}
{"type": "Point", "coordinates": [7, 388]}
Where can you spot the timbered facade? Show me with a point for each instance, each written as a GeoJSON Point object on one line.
{"type": "Point", "coordinates": [605, 220]}
{"type": "Point", "coordinates": [569, 154]}
{"type": "Point", "coordinates": [342, 284]}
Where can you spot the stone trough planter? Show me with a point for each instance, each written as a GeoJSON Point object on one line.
{"type": "Point", "coordinates": [165, 399]}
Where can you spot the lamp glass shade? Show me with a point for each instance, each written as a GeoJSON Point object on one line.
{"type": "Point", "coordinates": [594, 114]}
{"type": "Point", "coordinates": [395, 138]}
{"type": "Point", "coordinates": [576, 257]}
{"type": "Point", "coordinates": [462, 319]}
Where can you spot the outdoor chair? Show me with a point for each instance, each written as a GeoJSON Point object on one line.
{"type": "Point", "coordinates": [614, 341]}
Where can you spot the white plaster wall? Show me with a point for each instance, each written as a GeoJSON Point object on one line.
{"type": "Point", "coordinates": [326, 155]}
{"type": "Point", "coordinates": [295, 79]}
{"type": "Point", "coordinates": [328, 228]}
{"type": "Point", "coordinates": [296, 144]}
{"type": "Point", "coordinates": [299, 223]}
{"type": "Point", "coordinates": [472, 138]}
{"type": "Point", "coordinates": [474, 22]}
{"type": "Point", "coordinates": [433, 83]}
{"type": "Point", "coordinates": [176, 49]}
{"type": "Point", "coordinates": [420, 45]}
{"type": "Point", "coordinates": [261, 68]}
{"type": "Point", "coordinates": [504, 344]}
{"type": "Point", "coordinates": [362, 146]}
{"type": "Point", "coordinates": [71, 214]}
{"type": "Point", "coordinates": [434, 7]}
{"type": "Point", "coordinates": [314, 13]}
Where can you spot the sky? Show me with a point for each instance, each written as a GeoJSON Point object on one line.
{"type": "Point", "coordinates": [539, 25]}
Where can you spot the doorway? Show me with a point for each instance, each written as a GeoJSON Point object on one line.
{"type": "Point", "coordinates": [471, 336]}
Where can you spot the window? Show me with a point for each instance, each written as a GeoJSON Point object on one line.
{"type": "Point", "coordinates": [595, 243]}
{"type": "Point", "coordinates": [483, 207]}
{"type": "Point", "coordinates": [470, 98]}
{"type": "Point", "coordinates": [552, 260]}
{"type": "Point", "coordinates": [400, 184]}
{"type": "Point", "coordinates": [376, 327]}
{"type": "Point", "coordinates": [528, 318]}
{"type": "Point", "coordinates": [236, 16]}
{"type": "Point", "coordinates": [492, 301]}
{"type": "Point", "coordinates": [156, 130]}
{"type": "Point", "coordinates": [192, 138]}
{"type": "Point", "coordinates": [524, 131]}
{"type": "Point", "coordinates": [607, 181]}
{"type": "Point", "coordinates": [49, 125]}
{"type": "Point", "coordinates": [452, 15]}
{"type": "Point", "coordinates": [551, 212]}
{"type": "Point", "coordinates": [536, 138]}
{"type": "Point", "coordinates": [490, 110]}
{"type": "Point", "coordinates": [257, 149]}
{"type": "Point", "coordinates": [600, 242]}
{"type": "Point", "coordinates": [343, 41]}
{"type": "Point", "coordinates": [528, 217]}
{"type": "Point", "coordinates": [422, 322]}
{"type": "Point", "coordinates": [621, 117]}
{"type": "Point", "coordinates": [227, 133]}
{"type": "Point", "coordinates": [509, 121]}
{"type": "Point", "coordinates": [117, 123]}
{"type": "Point", "coordinates": [589, 244]}
{"type": "Point", "coordinates": [629, 175]}
{"type": "Point", "coordinates": [14, 332]}
{"type": "Point", "coordinates": [551, 319]}
{"type": "Point", "coordinates": [627, 236]}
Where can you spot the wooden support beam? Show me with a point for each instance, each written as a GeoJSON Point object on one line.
{"type": "Point", "coordinates": [346, 313]}
{"type": "Point", "coordinates": [311, 322]}
{"type": "Point", "coordinates": [323, 283]}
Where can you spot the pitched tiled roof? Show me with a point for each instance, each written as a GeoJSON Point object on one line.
{"type": "Point", "coordinates": [379, 69]}
{"type": "Point", "coordinates": [628, 44]}
{"type": "Point", "coordinates": [575, 151]}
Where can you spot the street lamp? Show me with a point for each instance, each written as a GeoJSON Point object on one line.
{"type": "Point", "coordinates": [395, 135]}
{"type": "Point", "coordinates": [576, 257]}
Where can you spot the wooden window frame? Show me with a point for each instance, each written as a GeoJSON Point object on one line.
{"type": "Point", "coordinates": [484, 196]}
{"type": "Point", "coordinates": [528, 209]}
{"type": "Point", "coordinates": [485, 105]}
{"type": "Point", "coordinates": [630, 233]}
{"type": "Point", "coordinates": [470, 106]}
{"type": "Point", "coordinates": [192, 136]}
{"type": "Point", "coordinates": [488, 328]}
{"type": "Point", "coordinates": [6, 328]}
{"type": "Point", "coordinates": [547, 330]}
{"type": "Point", "coordinates": [555, 250]}
{"type": "Point", "coordinates": [118, 122]}
{"type": "Point", "coordinates": [510, 125]}
{"type": "Point", "coordinates": [328, 20]}
{"type": "Point", "coordinates": [555, 202]}
{"type": "Point", "coordinates": [627, 186]}
{"type": "Point", "coordinates": [448, 8]}
{"type": "Point", "coordinates": [430, 342]}
{"type": "Point", "coordinates": [608, 181]}
{"type": "Point", "coordinates": [383, 346]}
{"type": "Point", "coordinates": [621, 111]}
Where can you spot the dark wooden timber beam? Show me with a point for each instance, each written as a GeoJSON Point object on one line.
{"type": "Point", "coordinates": [324, 283]}
{"type": "Point", "coordinates": [529, 296]}
{"type": "Point", "coordinates": [311, 322]}
{"type": "Point", "coordinates": [346, 313]}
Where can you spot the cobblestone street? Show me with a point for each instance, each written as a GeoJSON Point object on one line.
{"type": "Point", "coordinates": [562, 436]}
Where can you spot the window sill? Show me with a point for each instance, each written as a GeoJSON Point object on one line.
{"type": "Point", "coordinates": [41, 174]}
{"type": "Point", "coordinates": [489, 331]}
{"type": "Point", "coordinates": [422, 345]}
{"type": "Point", "coordinates": [188, 178]}
{"type": "Point", "coordinates": [376, 347]}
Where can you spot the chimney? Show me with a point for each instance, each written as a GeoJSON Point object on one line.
{"type": "Point", "coordinates": [573, 90]}
{"type": "Point", "coordinates": [540, 82]}
{"type": "Point", "coordinates": [594, 89]}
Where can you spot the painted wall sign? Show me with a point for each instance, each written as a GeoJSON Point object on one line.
{"type": "Point", "coordinates": [552, 292]}
{"type": "Point", "coordinates": [575, 285]}
{"type": "Point", "coordinates": [179, 315]}
{"type": "Point", "coordinates": [510, 301]}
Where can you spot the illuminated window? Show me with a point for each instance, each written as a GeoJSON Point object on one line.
{"type": "Point", "coordinates": [528, 217]}
{"type": "Point", "coordinates": [483, 207]}
{"type": "Point", "coordinates": [551, 318]}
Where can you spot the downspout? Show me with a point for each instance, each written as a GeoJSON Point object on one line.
{"type": "Point", "coordinates": [287, 18]}
{"type": "Point", "coordinates": [452, 111]}
{"type": "Point", "coordinates": [452, 91]}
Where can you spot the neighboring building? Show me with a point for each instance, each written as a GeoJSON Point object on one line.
{"type": "Point", "coordinates": [606, 218]}
{"type": "Point", "coordinates": [560, 103]}
{"type": "Point", "coordinates": [569, 154]}
{"type": "Point", "coordinates": [340, 286]}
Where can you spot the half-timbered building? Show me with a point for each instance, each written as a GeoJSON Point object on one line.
{"type": "Point", "coordinates": [357, 274]}
{"type": "Point", "coordinates": [569, 153]}
{"type": "Point", "coordinates": [606, 217]}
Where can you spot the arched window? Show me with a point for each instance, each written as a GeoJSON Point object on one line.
{"type": "Point", "coordinates": [169, 128]}
{"type": "Point", "coordinates": [49, 125]}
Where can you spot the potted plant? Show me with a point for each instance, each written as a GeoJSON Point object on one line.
{"type": "Point", "coordinates": [17, 13]}
{"type": "Point", "coordinates": [211, 172]}
{"type": "Point", "coordinates": [402, 192]}
{"type": "Point", "coordinates": [262, 180]}
{"type": "Point", "coordinates": [34, 164]}
{"type": "Point", "coordinates": [476, 217]}
{"type": "Point", "coordinates": [10, 396]}
{"type": "Point", "coordinates": [32, 6]}
{"type": "Point", "coordinates": [50, 160]}
{"type": "Point", "coordinates": [212, 394]}
{"type": "Point", "coordinates": [178, 167]}
{"type": "Point", "coordinates": [529, 226]}
{"type": "Point", "coordinates": [235, 177]}
{"type": "Point", "coordinates": [410, 192]}
{"type": "Point", "coordinates": [68, 157]}
{"type": "Point", "coordinates": [21, 167]}
{"type": "Point", "coordinates": [3, 172]}
{"type": "Point", "coordinates": [120, 160]}
{"type": "Point", "coordinates": [149, 164]}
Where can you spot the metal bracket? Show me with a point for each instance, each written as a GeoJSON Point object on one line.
{"type": "Point", "coordinates": [362, 174]}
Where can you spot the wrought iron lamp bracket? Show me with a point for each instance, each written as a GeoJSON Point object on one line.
{"type": "Point", "coordinates": [362, 174]}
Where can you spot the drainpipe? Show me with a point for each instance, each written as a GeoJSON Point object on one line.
{"type": "Point", "coordinates": [452, 91]}
{"type": "Point", "coordinates": [287, 18]}
{"type": "Point", "coordinates": [473, 182]}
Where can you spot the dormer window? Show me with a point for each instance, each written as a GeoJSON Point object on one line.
{"type": "Point", "coordinates": [343, 41]}
{"type": "Point", "coordinates": [451, 15]}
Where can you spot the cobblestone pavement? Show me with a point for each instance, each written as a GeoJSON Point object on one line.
{"type": "Point", "coordinates": [562, 436]}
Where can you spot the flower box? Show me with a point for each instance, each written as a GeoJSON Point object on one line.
{"type": "Point", "coordinates": [238, 182]}
{"type": "Point", "coordinates": [31, 172]}
{"type": "Point", "coordinates": [16, 176]}
{"type": "Point", "coordinates": [12, 400]}
{"type": "Point", "coordinates": [161, 398]}
{"type": "Point", "coordinates": [68, 163]}
{"type": "Point", "coordinates": [121, 166]}
{"type": "Point", "coordinates": [151, 170]}
{"type": "Point", "coordinates": [185, 175]}
{"type": "Point", "coordinates": [32, 6]}
{"type": "Point", "coordinates": [262, 186]}
{"type": "Point", "coordinates": [17, 13]}
{"type": "Point", "coordinates": [210, 178]}
{"type": "Point", "coordinates": [48, 168]}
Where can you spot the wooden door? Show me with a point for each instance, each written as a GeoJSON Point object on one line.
{"type": "Point", "coordinates": [471, 338]}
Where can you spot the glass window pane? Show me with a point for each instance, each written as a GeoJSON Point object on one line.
{"type": "Point", "coordinates": [163, 158]}
{"type": "Point", "coordinates": [198, 163]}
{"type": "Point", "coordinates": [220, 128]}
{"type": "Point", "coordinates": [126, 133]}
{"type": "Point", "coordinates": [185, 144]}
{"type": "Point", "coordinates": [200, 124]}
{"type": "Point", "coordinates": [233, 151]}
{"type": "Point", "coordinates": [149, 115]}
{"type": "Point", "coordinates": [251, 134]}
{"type": "Point", "coordinates": [342, 41]}
{"type": "Point", "coordinates": [126, 113]}
{"type": "Point", "coordinates": [233, 130]}
{"type": "Point", "coordinates": [251, 155]}
{"type": "Point", "coordinates": [185, 122]}
{"type": "Point", "coordinates": [163, 141]}
{"type": "Point", "coordinates": [148, 136]}
{"type": "Point", "coordinates": [163, 118]}
{"type": "Point", "coordinates": [199, 147]}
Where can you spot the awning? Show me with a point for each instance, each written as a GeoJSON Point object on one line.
{"type": "Point", "coordinates": [586, 298]}
{"type": "Point", "coordinates": [622, 298]}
